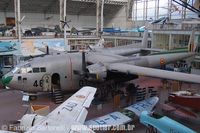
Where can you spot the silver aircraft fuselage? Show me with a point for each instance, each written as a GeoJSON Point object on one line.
{"type": "Point", "coordinates": [38, 74]}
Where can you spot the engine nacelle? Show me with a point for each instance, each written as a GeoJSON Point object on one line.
{"type": "Point", "coordinates": [29, 120]}
{"type": "Point", "coordinates": [97, 71]}
{"type": "Point", "coordinates": [101, 75]}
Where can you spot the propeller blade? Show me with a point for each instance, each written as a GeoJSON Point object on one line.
{"type": "Point", "coordinates": [62, 21]}
{"type": "Point", "coordinates": [83, 62]}
{"type": "Point", "coordinates": [67, 25]}
{"type": "Point", "coordinates": [22, 18]}
{"type": "Point", "coordinates": [63, 26]}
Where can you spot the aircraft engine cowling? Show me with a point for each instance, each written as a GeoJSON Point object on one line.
{"type": "Point", "coordinates": [29, 120]}
{"type": "Point", "coordinates": [101, 76]}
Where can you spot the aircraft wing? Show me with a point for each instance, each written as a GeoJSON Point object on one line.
{"type": "Point", "coordinates": [126, 115]}
{"type": "Point", "coordinates": [152, 72]}
{"type": "Point", "coordinates": [70, 115]}
{"type": "Point", "coordinates": [51, 51]}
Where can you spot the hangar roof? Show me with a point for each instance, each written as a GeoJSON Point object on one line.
{"type": "Point", "coordinates": [74, 7]}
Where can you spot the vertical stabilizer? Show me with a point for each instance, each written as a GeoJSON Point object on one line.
{"type": "Point", "coordinates": [191, 44]}
{"type": "Point", "coordinates": [145, 39]}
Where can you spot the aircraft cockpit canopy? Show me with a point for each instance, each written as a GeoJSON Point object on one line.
{"type": "Point", "coordinates": [15, 70]}
{"type": "Point", "coordinates": [27, 68]}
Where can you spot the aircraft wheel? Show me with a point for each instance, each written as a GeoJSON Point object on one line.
{"type": "Point", "coordinates": [33, 98]}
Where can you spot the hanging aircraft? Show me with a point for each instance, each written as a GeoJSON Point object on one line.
{"type": "Point", "coordinates": [69, 117]}
{"type": "Point", "coordinates": [138, 29]}
{"type": "Point", "coordinates": [72, 70]}
{"type": "Point", "coordinates": [117, 30]}
{"type": "Point", "coordinates": [162, 19]}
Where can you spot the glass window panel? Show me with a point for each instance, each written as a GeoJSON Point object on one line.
{"type": "Point", "coordinates": [29, 70]}
{"type": "Point", "coordinates": [23, 70]}
{"type": "Point", "coordinates": [42, 69]}
{"type": "Point", "coordinates": [36, 70]}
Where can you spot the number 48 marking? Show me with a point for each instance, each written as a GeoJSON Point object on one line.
{"type": "Point", "coordinates": [35, 84]}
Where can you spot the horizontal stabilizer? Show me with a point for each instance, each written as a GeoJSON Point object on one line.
{"type": "Point", "coordinates": [145, 105]}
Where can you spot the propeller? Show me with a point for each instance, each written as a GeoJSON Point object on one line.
{"type": "Point", "coordinates": [65, 22]}
{"type": "Point", "coordinates": [84, 73]}
{"type": "Point", "coordinates": [83, 62]}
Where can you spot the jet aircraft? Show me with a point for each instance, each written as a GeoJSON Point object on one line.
{"type": "Point", "coordinates": [77, 105]}
{"type": "Point", "coordinates": [163, 123]}
{"type": "Point", "coordinates": [71, 70]}
{"type": "Point", "coordinates": [69, 117]}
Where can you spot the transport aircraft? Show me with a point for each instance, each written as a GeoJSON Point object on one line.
{"type": "Point", "coordinates": [70, 71]}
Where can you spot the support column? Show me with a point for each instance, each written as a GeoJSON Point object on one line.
{"type": "Point", "coordinates": [97, 17]}
{"type": "Point", "coordinates": [17, 19]}
{"type": "Point", "coordinates": [136, 2]}
{"type": "Point", "coordinates": [146, 10]}
{"type": "Point", "coordinates": [115, 42]}
{"type": "Point", "coordinates": [133, 11]}
{"type": "Point", "coordinates": [63, 16]}
{"type": "Point", "coordinates": [102, 20]}
{"type": "Point", "coordinates": [170, 41]}
{"type": "Point", "coordinates": [169, 9]}
{"type": "Point", "coordinates": [65, 28]}
{"type": "Point", "coordinates": [130, 9]}
{"type": "Point", "coordinates": [153, 40]}
{"type": "Point", "coordinates": [184, 11]}
{"type": "Point", "coordinates": [61, 12]}
{"type": "Point", "coordinates": [158, 7]}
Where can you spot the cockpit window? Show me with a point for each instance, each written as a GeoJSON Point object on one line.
{"type": "Point", "coordinates": [42, 69]}
{"type": "Point", "coordinates": [26, 70]}
{"type": "Point", "coordinates": [15, 70]}
{"type": "Point", "coordinates": [29, 70]}
{"type": "Point", "coordinates": [36, 70]}
{"type": "Point", "coordinates": [23, 70]}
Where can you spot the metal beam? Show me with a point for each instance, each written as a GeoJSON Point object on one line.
{"type": "Point", "coordinates": [188, 6]}
{"type": "Point", "coordinates": [123, 2]}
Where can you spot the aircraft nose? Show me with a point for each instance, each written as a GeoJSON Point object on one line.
{"type": "Point", "coordinates": [6, 79]}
